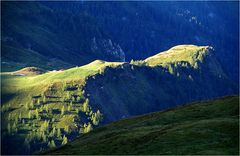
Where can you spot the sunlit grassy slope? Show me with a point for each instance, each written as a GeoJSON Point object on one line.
{"type": "Point", "coordinates": [23, 87]}
{"type": "Point", "coordinates": [12, 84]}
{"type": "Point", "coordinates": [78, 73]}
{"type": "Point", "coordinates": [182, 53]}
{"type": "Point", "coordinates": [30, 99]}
{"type": "Point", "coordinates": [200, 128]}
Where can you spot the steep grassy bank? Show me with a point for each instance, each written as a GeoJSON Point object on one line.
{"type": "Point", "coordinates": [210, 127]}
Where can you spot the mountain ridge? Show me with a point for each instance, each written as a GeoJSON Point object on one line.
{"type": "Point", "coordinates": [188, 54]}
{"type": "Point", "coordinates": [98, 93]}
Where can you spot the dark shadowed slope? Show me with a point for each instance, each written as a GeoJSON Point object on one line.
{"type": "Point", "coordinates": [200, 128]}
{"type": "Point", "coordinates": [180, 75]}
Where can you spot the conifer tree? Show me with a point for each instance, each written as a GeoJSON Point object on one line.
{"type": "Point", "coordinates": [65, 140]}
{"type": "Point", "coordinates": [63, 110]}
{"type": "Point", "coordinates": [86, 106]}
{"type": "Point", "coordinates": [44, 137]}
{"type": "Point", "coordinates": [9, 128]}
{"type": "Point", "coordinates": [89, 127]}
{"type": "Point", "coordinates": [47, 125]}
{"type": "Point", "coordinates": [29, 115]}
{"type": "Point", "coordinates": [170, 69]}
{"type": "Point", "coordinates": [83, 129]}
{"type": "Point", "coordinates": [41, 109]}
{"type": "Point", "coordinates": [78, 99]}
{"type": "Point", "coordinates": [96, 117]}
{"type": "Point", "coordinates": [37, 114]}
{"type": "Point", "coordinates": [51, 144]}
{"type": "Point", "coordinates": [42, 127]}
{"type": "Point", "coordinates": [132, 61]}
{"type": "Point", "coordinates": [32, 105]}
{"type": "Point", "coordinates": [46, 108]}
{"type": "Point", "coordinates": [66, 129]}
{"type": "Point", "coordinates": [20, 116]}
{"type": "Point", "coordinates": [132, 67]}
{"type": "Point", "coordinates": [59, 134]}
{"type": "Point", "coordinates": [14, 127]}
{"type": "Point", "coordinates": [16, 120]}
{"type": "Point", "coordinates": [53, 131]}
{"type": "Point", "coordinates": [64, 86]}
{"type": "Point", "coordinates": [178, 74]}
{"type": "Point", "coordinates": [26, 105]}
{"type": "Point", "coordinates": [44, 98]}
{"type": "Point", "coordinates": [91, 112]}
{"type": "Point", "coordinates": [68, 95]}
{"type": "Point", "coordinates": [77, 110]}
{"type": "Point", "coordinates": [9, 116]}
{"type": "Point", "coordinates": [50, 111]}
{"type": "Point", "coordinates": [69, 108]}
{"type": "Point", "coordinates": [38, 101]}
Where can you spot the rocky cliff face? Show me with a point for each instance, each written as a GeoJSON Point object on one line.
{"type": "Point", "coordinates": [108, 48]}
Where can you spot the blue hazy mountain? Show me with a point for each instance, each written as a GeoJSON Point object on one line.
{"type": "Point", "coordinates": [66, 34]}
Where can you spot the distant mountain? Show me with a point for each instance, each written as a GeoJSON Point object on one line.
{"type": "Point", "coordinates": [65, 34]}
{"type": "Point", "coordinates": [41, 111]}
{"type": "Point", "coordinates": [35, 35]}
{"type": "Point", "coordinates": [201, 128]}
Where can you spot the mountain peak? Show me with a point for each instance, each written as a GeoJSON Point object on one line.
{"type": "Point", "coordinates": [180, 53]}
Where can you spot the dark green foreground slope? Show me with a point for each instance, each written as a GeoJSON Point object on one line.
{"type": "Point", "coordinates": [201, 128]}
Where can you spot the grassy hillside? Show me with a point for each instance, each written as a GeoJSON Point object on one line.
{"type": "Point", "coordinates": [188, 56]}
{"type": "Point", "coordinates": [43, 109]}
{"type": "Point", "coordinates": [182, 53]}
{"type": "Point", "coordinates": [39, 109]}
{"type": "Point", "coordinates": [210, 127]}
